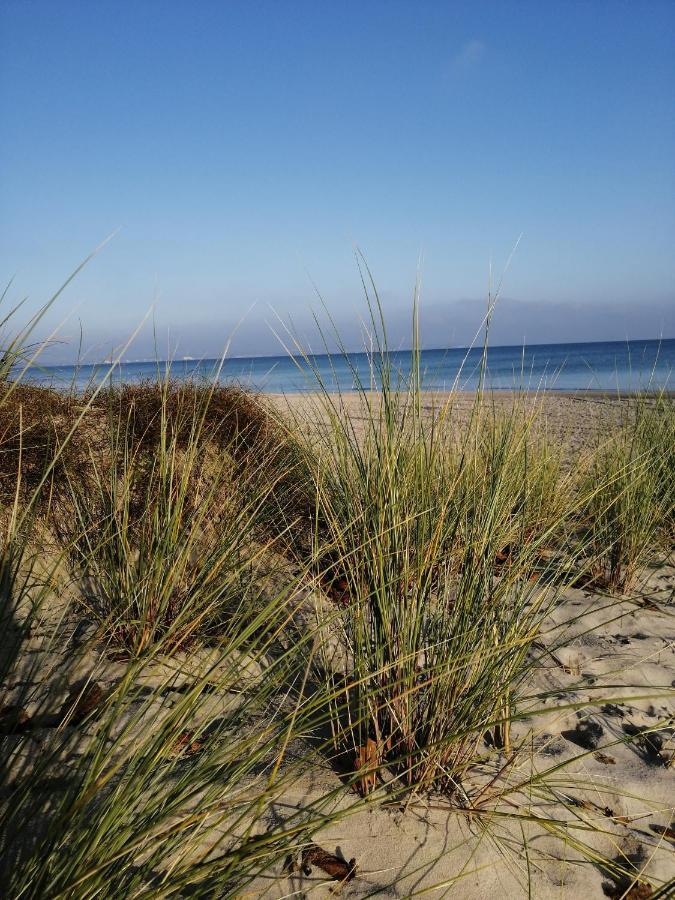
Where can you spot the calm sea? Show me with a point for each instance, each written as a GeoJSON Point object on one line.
{"type": "Point", "coordinates": [609, 366]}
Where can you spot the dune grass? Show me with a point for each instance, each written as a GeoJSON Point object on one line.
{"type": "Point", "coordinates": [631, 496]}
{"type": "Point", "coordinates": [165, 532]}
{"type": "Point", "coordinates": [165, 781]}
{"type": "Point", "coordinates": [159, 777]}
{"type": "Point", "coordinates": [429, 538]}
{"type": "Point", "coordinates": [180, 526]}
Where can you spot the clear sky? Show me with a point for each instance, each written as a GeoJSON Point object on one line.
{"type": "Point", "coordinates": [244, 148]}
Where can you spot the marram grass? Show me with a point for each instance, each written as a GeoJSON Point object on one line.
{"type": "Point", "coordinates": [433, 539]}
{"type": "Point", "coordinates": [437, 550]}
{"type": "Point", "coordinates": [631, 496]}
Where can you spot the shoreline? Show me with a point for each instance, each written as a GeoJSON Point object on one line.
{"type": "Point", "coordinates": [203, 379]}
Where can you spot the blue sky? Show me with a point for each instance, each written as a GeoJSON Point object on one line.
{"type": "Point", "coordinates": [243, 149]}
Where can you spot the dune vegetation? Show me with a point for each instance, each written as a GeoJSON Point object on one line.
{"type": "Point", "coordinates": [206, 594]}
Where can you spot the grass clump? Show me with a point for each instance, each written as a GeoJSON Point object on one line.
{"type": "Point", "coordinates": [631, 497]}
{"type": "Point", "coordinates": [232, 417]}
{"type": "Point", "coordinates": [435, 553]}
{"type": "Point", "coordinates": [166, 533]}
{"type": "Point", "coordinates": [659, 437]}
{"type": "Point", "coordinates": [133, 777]}
{"type": "Point", "coordinates": [428, 538]}
{"type": "Point", "coordinates": [35, 443]}
{"type": "Point", "coordinates": [166, 782]}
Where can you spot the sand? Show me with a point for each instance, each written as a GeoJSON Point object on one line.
{"type": "Point", "coordinates": [576, 420]}
{"type": "Point", "coordinates": [617, 796]}
{"type": "Point", "coordinates": [618, 649]}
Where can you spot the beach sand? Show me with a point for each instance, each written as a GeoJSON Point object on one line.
{"type": "Point", "coordinates": [617, 796]}
{"type": "Point", "coordinates": [576, 420]}
{"type": "Point", "coordinates": [626, 795]}
{"type": "Point", "coordinates": [617, 648]}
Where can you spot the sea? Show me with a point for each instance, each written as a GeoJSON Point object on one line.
{"type": "Point", "coordinates": [614, 366]}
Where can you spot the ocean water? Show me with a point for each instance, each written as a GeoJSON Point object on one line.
{"type": "Point", "coordinates": [606, 366]}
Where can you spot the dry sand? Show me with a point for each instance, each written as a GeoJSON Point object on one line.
{"type": "Point", "coordinates": [620, 650]}
{"type": "Point", "coordinates": [576, 420]}
{"type": "Point", "coordinates": [617, 649]}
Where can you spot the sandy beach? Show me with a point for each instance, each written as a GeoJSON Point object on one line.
{"type": "Point", "coordinates": [576, 419]}
{"type": "Point", "coordinates": [337, 450]}
{"type": "Point", "coordinates": [579, 803]}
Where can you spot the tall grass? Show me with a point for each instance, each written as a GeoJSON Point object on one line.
{"type": "Point", "coordinates": [631, 496]}
{"type": "Point", "coordinates": [428, 536]}
{"type": "Point", "coordinates": [659, 440]}
{"type": "Point", "coordinates": [165, 783]}
{"type": "Point", "coordinates": [157, 774]}
{"type": "Point", "coordinates": [166, 535]}
{"type": "Point", "coordinates": [151, 757]}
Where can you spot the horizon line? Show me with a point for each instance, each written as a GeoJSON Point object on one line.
{"type": "Point", "coordinates": [466, 348]}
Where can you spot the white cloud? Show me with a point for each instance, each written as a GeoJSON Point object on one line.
{"type": "Point", "coordinates": [470, 55]}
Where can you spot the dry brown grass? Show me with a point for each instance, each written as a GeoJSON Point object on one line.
{"type": "Point", "coordinates": [230, 419]}
{"type": "Point", "coordinates": [34, 426]}
{"type": "Point", "coordinates": [232, 416]}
